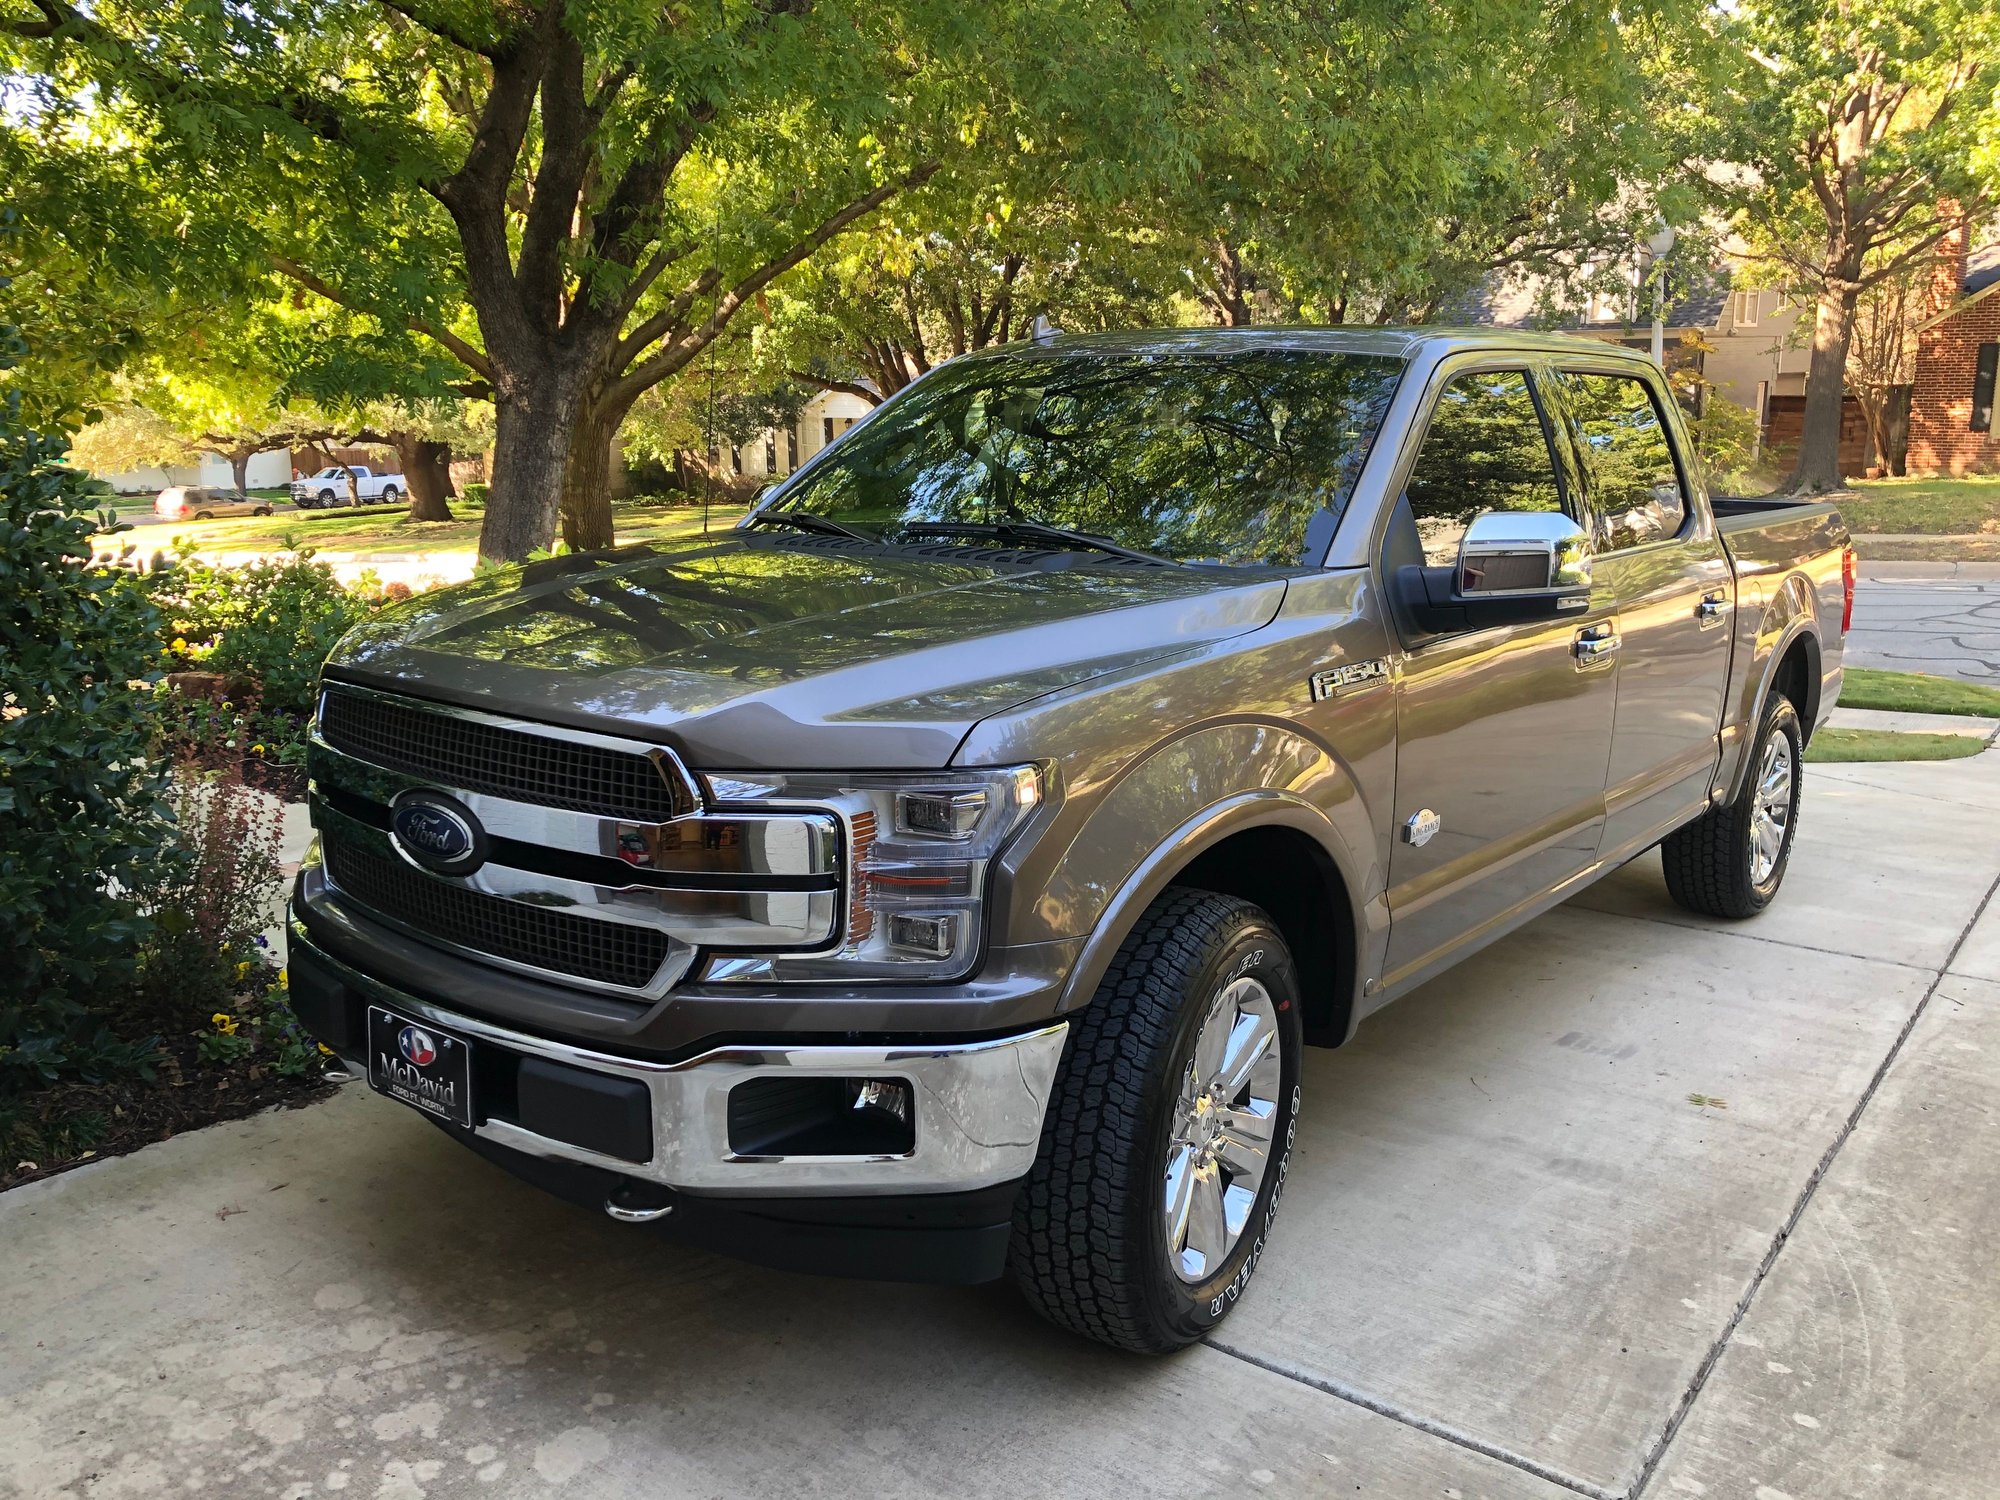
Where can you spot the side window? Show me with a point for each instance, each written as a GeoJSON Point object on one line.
{"type": "Point", "coordinates": [1485, 449]}
{"type": "Point", "coordinates": [1635, 490]}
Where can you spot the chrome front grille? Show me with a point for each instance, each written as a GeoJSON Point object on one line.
{"type": "Point", "coordinates": [604, 865]}
{"type": "Point", "coordinates": [477, 756]}
{"type": "Point", "coordinates": [607, 953]}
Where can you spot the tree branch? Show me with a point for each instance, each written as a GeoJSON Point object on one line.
{"type": "Point", "coordinates": [459, 349]}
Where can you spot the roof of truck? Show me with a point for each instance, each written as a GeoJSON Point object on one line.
{"type": "Point", "coordinates": [1398, 343]}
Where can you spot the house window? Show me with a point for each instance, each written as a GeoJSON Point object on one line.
{"type": "Point", "coordinates": [791, 449]}
{"type": "Point", "coordinates": [1982, 387]}
{"type": "Point", "coordinates": [770, 453]}
{"type": "Point", "coordinates": [1745, 308]}
{"type": "Point", "coordinates": [826, 431]}
{"type": "Point", "coordinates": [735, 459]}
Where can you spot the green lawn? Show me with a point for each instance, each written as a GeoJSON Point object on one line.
{"type": "Point", "coordinates": [1917, 693]}
{"type": "Point", "coordinates": [389, 530]}
{"type": "Point", "coordinates": [1831, 745]}
{"type": "Point", "coordinates": [1937, 507]}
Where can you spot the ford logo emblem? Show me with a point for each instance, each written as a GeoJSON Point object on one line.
{"type": "Point", "coordinates": [437, 832]}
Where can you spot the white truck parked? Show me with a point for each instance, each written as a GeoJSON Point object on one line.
{"type": "Point", "coordinates": [329, 487]}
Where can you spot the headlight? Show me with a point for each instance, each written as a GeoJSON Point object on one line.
{"type": "Point", "coordinates": [918, 849]}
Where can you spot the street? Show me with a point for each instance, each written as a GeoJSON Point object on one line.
{"type": "Point", "coordinates": [1909, 622]}
{"type": "Point", "coordinates": [1635, 1199]}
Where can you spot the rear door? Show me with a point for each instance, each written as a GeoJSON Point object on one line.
{"type": "Point", "coordinates": [1503, 733]}
{"type": "Point", "coordinates": [1659, 557]}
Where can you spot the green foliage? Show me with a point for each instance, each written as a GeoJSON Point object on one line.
{"type": "Point", "coordinates": [209, 907]}
{"type": "Point", "coordinates": [81, 818]}
{"type": "Point", "coordinates": [272, 622]}
{"type": "Point", "coordinates": [475, 492]}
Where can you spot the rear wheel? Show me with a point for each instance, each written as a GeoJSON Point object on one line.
{"type": "Point", "coordinates": [1730, 861]}
{"type": "Point", "coordinates": [390, 494]}
{"type": "Point", "coordinates": [204, 515]}
{"type": "Point", "coordinates": [1169, 1130]}
{"type": "Point", "coordinates": [262, 510]}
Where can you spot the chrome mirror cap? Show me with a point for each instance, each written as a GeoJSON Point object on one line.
{"type": "Point", "coordinates": [1513, 552]}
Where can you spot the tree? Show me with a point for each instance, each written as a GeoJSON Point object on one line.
{"type": "Point", "coordinates": [1882, 355]}
{"type": "Point", "coordinates": [1840, 130]}
{"type": "Point", "coordinates": [573, 198]}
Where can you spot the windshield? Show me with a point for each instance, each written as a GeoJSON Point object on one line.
{"type": "Point", "coordinates": [1194, 457]}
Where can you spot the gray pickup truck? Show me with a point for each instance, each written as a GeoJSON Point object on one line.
{"type": "Point", "coordinates": [942, 873]}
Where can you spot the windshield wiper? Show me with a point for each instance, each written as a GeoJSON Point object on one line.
{"type": "Point", "coordinates": [805, 520]}
{"type": "Point", "coordinates": [1036, 531]}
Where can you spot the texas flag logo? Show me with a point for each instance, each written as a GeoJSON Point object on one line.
{"type": "Point", "coordinates": [416, 1046]}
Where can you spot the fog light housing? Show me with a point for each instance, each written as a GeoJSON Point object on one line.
{"type": "Point", "coordinates": [934, 936]}
{"type": "Point", "coordinates": [888, 1095]}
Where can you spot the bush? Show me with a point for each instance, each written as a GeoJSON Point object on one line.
{"type": "Point", "coordinates": [208, 909]}
{"type": "Point", "coordinates": [271, 623]}
{"type": "Point", "coordinates": [81, 815]}
{"type": "Point", "coordinates": [474, 493]}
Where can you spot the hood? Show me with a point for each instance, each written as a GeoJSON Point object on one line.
{"type": "Point", "coordinates": [764, 652]}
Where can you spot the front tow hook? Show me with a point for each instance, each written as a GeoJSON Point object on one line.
{"type": "Point", "coordinates": [637, 1203]}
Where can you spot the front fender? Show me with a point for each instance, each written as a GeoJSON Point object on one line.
{"type": "Point", "coordinates": [1186, 798]}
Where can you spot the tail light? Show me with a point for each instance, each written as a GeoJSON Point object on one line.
{"type": "Point", "coordinates": [1846, 590]}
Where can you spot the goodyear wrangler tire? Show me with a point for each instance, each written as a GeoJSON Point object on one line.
{"type": "Point", "coordinates": [1169, 1131]}
{"type": "Point", "coordinates": [1730, 861]}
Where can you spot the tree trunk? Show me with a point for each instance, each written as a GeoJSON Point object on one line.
{"type": "Point", "coordinates": [531, 442]}
{"type": "Point", "coordinates": [586, 499]}
{"type": "Point", "coordinates": [1826, 378]}
{"type": "Point", "coordinates": [239, 468]}
{"type": "Point", "coordinates": [427, 469]}
{"type": "Point", "coordinates": [353, 489]}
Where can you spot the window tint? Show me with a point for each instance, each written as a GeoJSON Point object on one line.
{"type": "Point", "coordinates": [1635, 490]}
{"type": "Point", "coordinates": [1485, 450]}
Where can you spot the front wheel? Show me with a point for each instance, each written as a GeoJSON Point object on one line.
{"type": "Point", "coordinates": [1169, 1130]}
{"type": "Point", "coordinates": [325, 499]}
{"type": "Point", "coordinates": [1730, 861]}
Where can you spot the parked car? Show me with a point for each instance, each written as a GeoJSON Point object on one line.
{"type": "Point", "coordinates": [329, 487]}
{"type": "Point", "coordinates": [178, 502]}
{"type": "Point", "coordinates": [943, 874]}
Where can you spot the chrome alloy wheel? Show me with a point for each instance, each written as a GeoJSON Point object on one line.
{"type": "Point", "coordinates": [1223, 1121]}
{"type": "Point", "coordinates": [1771, 814]}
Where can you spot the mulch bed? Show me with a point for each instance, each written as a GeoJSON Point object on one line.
{"type": "Point", "coordinates": [185, 1094]}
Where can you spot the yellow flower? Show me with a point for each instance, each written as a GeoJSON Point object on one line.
{"type": "Point", "coordinates": [281, 976]}
{"type": "Point", "coordinates": [256, 749]}
{"type": "Point", "coordinates": [325, 1050]}
{"type": "Point", "coordinates": [243, 970]}
{"type": "Point", "coordinates": [224, 1022]}
{"type": "Point", "coordinates": [180, 643]}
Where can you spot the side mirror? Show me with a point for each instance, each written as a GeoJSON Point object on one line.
{"type": "Point", "coordinates": [1513, 553]}
{"type": "Point", "coordinates": [1514, 567]}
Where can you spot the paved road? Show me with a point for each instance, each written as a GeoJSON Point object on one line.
{"type": "Point", "coordinates": [1635, 1202]}
{"type": "Point", "coordinates": [1950, 626]}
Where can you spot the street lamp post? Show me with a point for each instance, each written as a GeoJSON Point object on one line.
{"type": "Point", "coordinates": [1661, 244]}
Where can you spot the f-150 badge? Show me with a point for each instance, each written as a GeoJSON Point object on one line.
{"type": "Point", "coordinates": [1345, 679]}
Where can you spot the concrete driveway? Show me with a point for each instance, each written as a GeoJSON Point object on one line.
{"type": "Point", "coordinates": [1633, 1203]}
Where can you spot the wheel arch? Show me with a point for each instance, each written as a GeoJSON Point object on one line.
{"type": "Point", "coordinates": [1270, 849]}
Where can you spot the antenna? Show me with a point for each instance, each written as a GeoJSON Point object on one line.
{"type": "Point", "coordinates": [1042, 331]}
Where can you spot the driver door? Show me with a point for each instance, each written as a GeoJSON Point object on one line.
{"type": "Point", "coordinates": [1504, 733]}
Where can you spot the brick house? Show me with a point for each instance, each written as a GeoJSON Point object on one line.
{"type": "Point", "coordinates": [1958, 349]}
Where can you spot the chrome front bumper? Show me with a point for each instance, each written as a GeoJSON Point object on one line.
{"type": "Point", "coordinates": [978, 1108]}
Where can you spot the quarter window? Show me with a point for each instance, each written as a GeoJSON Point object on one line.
{"type": "Point", "coordinates": [1485, 449]}
{"type": "Point", "coordinates": [1635, 488]}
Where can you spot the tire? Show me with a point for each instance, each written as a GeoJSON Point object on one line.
{"type": "Point", "coordinates": [390, 494]}
{"type": "Point", "coordinates": [1093, 1250]}
{"type": "Point", "coordinates": [262, 510]}
{"type": "Point", "coordinates": [204, 515]}
{"type": "Point", "coordinates": [325, 500]}
{"type": "Point", "coordinates": [1714, 865]}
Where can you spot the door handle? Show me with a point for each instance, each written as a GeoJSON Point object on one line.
{"type": "Point", "coordinates": [1596, 646]}
{"type": "Point", "coordinates": [1714, 605]}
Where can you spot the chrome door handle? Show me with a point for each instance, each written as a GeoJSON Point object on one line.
{"type": "Point", "coordinates": [1714, 605]}
{"type": "Point", "coordinates": [1596, 646]}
